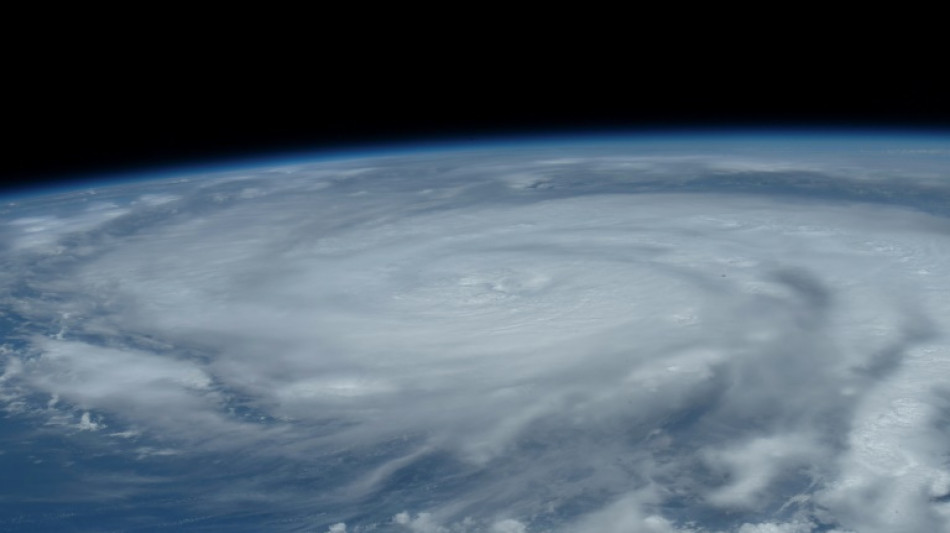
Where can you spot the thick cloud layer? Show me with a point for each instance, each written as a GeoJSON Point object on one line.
{"type": "Point", "coordinates": [613, 339]}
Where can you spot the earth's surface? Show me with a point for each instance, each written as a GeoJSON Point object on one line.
{"type": "Point", "coordinates": [685, 334]}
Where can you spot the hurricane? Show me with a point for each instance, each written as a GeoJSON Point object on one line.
{"type": "Point", "coordinates": [696, 335]}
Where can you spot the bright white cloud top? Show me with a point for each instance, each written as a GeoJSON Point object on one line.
{"type": "Point", "coordinates": [682, 336]}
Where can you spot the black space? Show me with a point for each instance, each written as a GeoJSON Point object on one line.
{"type": "Point", "coordinates": [84, 117]}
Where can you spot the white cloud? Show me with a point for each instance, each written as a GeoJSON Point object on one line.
{"type": "Point", "coordinates": [157, 199]}
{"type": "Point", "coordinates": [420, 523]}
{"type": "Point", "coordinates": [755, 465]}
{"type": "Point", "coordinates": [87, 424]}
{"type": "Point", "coordinates": [508, 526]}
{"type": "Point", "coordinates": [36, 232]}
{"type": "Point", "coordinates": [427, 523]}
{"type": "Point", "coordinates": [771, 527]}
{"type": "Point", "coordinates": [629, 514]}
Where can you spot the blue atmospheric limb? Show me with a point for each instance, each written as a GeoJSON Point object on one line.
{"type": "Point", "coordinates": [921, 142]}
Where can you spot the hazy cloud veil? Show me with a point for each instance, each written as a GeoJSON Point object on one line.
{"type": "Point", "coordinates": [746, 337]}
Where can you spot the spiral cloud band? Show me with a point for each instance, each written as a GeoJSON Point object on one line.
{"type": "Point", "coordinates": [746, 337]}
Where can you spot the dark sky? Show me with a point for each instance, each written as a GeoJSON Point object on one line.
{"type": "Point", "coordinates": [75, 117]}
